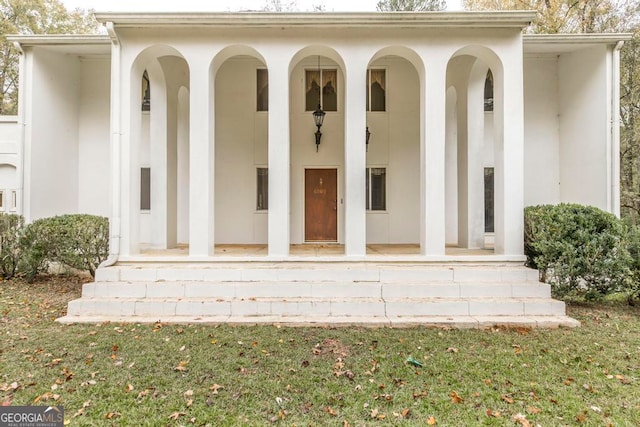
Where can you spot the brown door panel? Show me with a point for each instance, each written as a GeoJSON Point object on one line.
{"type": "Point", "coordinates": [321, 205]}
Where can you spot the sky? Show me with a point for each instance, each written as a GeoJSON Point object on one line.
{"type": "Point", "coordinates": [221, 5]}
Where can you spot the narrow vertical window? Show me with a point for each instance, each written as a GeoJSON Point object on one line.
{"type": "Point", "coordinates": [376, 90]}
{"type": "Point", "coordinates": [14, 200]}
{"type": "Point", "coordinates": [1, 200]}
{"type": "Point", "coordinates": [488, 200]}
{"type": "Point", "coordinates": [145, 189]}
{"type": "Point", "coordinates": [321, 87]}
{"type": "Point", "coordinates": [376, 189]}
{"type": "Point", "coordinates": [488, 92]}
{"type": "Point", "coordinates": [262, 197]}
{"type": "Point", "coordinates": [262, 93]}
{"type": "Point", "coordinates": [146, 92]}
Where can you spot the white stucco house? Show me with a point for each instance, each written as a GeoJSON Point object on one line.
{"type": "Point", "coordinates": [195, 134]}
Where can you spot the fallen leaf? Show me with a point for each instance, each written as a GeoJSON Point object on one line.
{"type": "Point", "coordinates": [129, 388]}
{"type": "Point", "coordinates": [623, 379]}
{"type": "Point", "coordinates": [330, 411]}
{"type": "Point", "coordinates": [182, 366]}
{"type": "Point", "coordinates": [111, 415]}
{"type": "Point", "coordinates": [533, 410]}
{"type": "Point", "coordinates": [431, 421]}
{"type": "Point", "coordinates": [214, 388]}
{"type": "Point", "coordinates": [455, 397]}
{"type": "Point", "coordinates": [507, 399]}
{"type": "Point", "coordinates": [452, 350]}
{"type": "Point", "coordinates": [522, 420]}
{"type": "Point", "coordinates": [494, 414]}
{"type": "Point", "coordinates": [176, 415]}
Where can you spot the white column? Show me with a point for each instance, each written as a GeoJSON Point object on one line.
{"type": "Point", "coordinates": [158, 155]}
{"type": "Point", "coordinates": [355, 160]}
{"type": "Point", "coordinates": [201, 159]}
{"type": "Point", "coordinates": [432, 159]}
{"type": "Point", "coordinates": [171, 181]}
{"type": "Point", "coordinates": [279, 156]}
{"type": "Point", "coordinates": [475, 158]}
{"type": "Point", "coordinates": [509, 156]}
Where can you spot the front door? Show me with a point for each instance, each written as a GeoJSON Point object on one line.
{"type": "Point", "coordinates": [321, 205]}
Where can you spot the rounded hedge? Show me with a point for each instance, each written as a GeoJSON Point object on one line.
{"type": "Point", "coordinates": [580, 250]}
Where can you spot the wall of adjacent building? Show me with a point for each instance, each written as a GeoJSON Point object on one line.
{"type": "Point", "coordinates": [94, 172]}
{"type": "Point", "coordinates": [51, 149]}
{"type": "Point", "coordinates": [541, 131]}
{"type": "Point", "coordinates": [584, 127]}
{"type": "Point", "coordinates": [66, 135]}
{"type": "Point", "coordinates": [567, 140]}
{"type": "Point", "coordinates": [9, 181]}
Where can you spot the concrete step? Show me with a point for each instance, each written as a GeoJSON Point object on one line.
{"type": "Point", "coordinates": [321, 272]}
{"type": "Point", "coordinates": [309, 293]}
{"type": "Point", "coordinates": [328, 311]}
{"type": "Point", "coordinates": [245, 290]}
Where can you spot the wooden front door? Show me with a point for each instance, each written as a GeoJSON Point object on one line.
{"type": "Point", "coordinates": [321, 205]}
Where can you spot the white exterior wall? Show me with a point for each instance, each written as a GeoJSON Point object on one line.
{"type": "Point", "coordinates": [51, 151]}
{"type": "Point", "coordinates": [241, 147]}
{"type": "Point", "coordinates": [93, 137]}
{"type": "Point", "coordinates": [541, 131]}
{"type": "Point", "coordinates": [395, 144]}
{"type": "Point", "coordinates": [583, 100]}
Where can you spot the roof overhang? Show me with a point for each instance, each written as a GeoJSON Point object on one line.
{"type": "Point", "coordinates": [482, 19]}
{"type": "Point", "coordinates": [81, 45]}
{"type": "Point", "coordinates": [565, 43]}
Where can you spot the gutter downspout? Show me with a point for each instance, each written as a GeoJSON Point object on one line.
{"type": "Point", "coordinates": [115, 220]}
{"type": "Point", "coordinates": [21, 122]}
{"type": "Point", "coordinates": [615, 131]}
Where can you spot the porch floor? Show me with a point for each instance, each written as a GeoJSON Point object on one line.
{"type": "Point", "coordinates": [314, 250]}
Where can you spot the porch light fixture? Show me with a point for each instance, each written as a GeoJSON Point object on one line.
{"type": "Point", "coordinates": [367, 136]}
{"type": "Point", "coordinates": [318, 115]}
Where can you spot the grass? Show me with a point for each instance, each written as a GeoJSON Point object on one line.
{"type": "Point", "coordinates": [133, 374]}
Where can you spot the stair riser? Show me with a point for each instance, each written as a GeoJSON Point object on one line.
{"type": "Point", "coordinates": [314, 290]}
{"type": "Point", "coordinates": [313, 309]}
{"type": "Point", "coordinates": [356, 274]}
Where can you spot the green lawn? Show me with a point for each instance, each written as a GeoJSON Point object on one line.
{"type": "Point", "coordinates": [133, 374]}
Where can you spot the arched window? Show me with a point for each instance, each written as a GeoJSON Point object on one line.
{"type": "Point", "coordinates": [146, 92]}
{"type": "Point", "coordinates": [488, 92]}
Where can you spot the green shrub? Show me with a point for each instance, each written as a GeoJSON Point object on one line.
{"type": "Point", "coordinates": [10, 253]}
{"type": "Point", "coordinates": [580, 250]}
{"type": "Point", "coordinates": [36, 249]}
{"type": "Point", "coordinates": [78, 241]}
{"type": "Point", "coordinates": [634, 251]}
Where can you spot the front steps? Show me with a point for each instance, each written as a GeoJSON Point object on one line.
{"type": "Point", "coordinates": [473, 295]}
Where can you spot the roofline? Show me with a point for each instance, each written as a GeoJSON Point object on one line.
{"type": "Point", "coordinates": [588, 38]}
{"type": "Point", "coordinates": [60, 39]}
{"type": "Point", "coordinates": [475, 19]}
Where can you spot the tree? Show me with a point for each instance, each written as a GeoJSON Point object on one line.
{"type": "Point", "coordinates": [562, 16]}
{"type": "Point", "coordinates": [280, 6]}
{"type": "Point", "coordinates": [32, 17]}
{"type": "Point", "coordinates": [411, 5]}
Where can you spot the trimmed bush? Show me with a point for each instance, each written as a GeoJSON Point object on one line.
{"type": "Point", "coordinates": [10, 253]}
{"type": "Point", "coordinates": [580, 250]}
{"type": "Point", "coordinates": [78, 241]}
